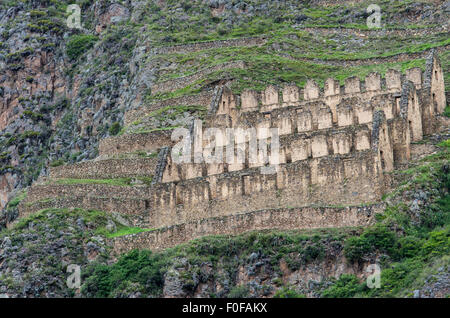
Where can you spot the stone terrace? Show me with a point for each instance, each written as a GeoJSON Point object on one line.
{"type": "Point", "coordinates": [336, 145]}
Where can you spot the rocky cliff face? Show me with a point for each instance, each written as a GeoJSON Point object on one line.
{"type": "Point", "coordinates": [51, 104]}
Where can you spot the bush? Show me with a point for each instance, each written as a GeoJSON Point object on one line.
{"type": "Point", "coordinates": [346, 286]}
{"type": "Point", "coordinates": [114, 129]}
{"type": "Point", "coordinates": [409, 246]}
{"type": "Point", "coordinates": [313, 252]}
{"type": "Point", "coordinates": [287, 293]}
{"type": "Point", "coordinates": [378, 237]}
{"type": "Point", "coordinates": [141, 267]}
{"type": "Point", "coordinates": [438, 243]}
{"type": "Point", "coordinates": [79, 44]}
{"type": "Point", "coordinates": [34, 116]}
{"type": "Point", "coordinates": [57, 163]}
{"type": "Point", "coordinates": [239, 292]}
{"type": "Point", "coordinates": [447, 111]}
{"type": "Point", "coordinates": [445, 144]}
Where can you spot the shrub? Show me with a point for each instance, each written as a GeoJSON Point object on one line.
{"type": "Point", "coordinates": [14, 202]}
{"type": "Point", "coordinates": [346, 286]}
{"type": "Point", "coordinates": [79, 44]}
{"type": "Point", "coordinates": [409, 246]}
{"type": "Point", "coordinates": [140, 267]}
{"type": "Point", "coordinates": [378, 237]}
{"type": "Point", "coordinates": [37, 13]}
{"type": "Point", "coordinates": [313, 252]}
{"type": "Point", "coordinates": [34, 116]}
{"type": "Point", "coordinates": [447, 111]}
{"type": "Point", "coordinates": [114, 129]}
{"type": "Point", "coordinates": [445, 144]}
{"type": "Point", "coordinates": [57, 163]}
{"type": "Point", "coordinates": [239, 292]}
{"type": "Point", "coordinates": [29, 134]}
{"type": "Point", "coordinates": [287, 293]}
{"type": "Point", "coordinates": [438, 243]}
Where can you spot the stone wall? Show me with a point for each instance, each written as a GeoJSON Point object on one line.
{"type": "Point", "coordinates": [199, 46]}
{"type": "Point", "coordinates": [280, 219]}
{"type": "Point", "coordinates": [336, 179]}
{"type": "Point", "coordinates": [376, 33]}
{"type": "Point", "coordinates": [149, 142]}
{"type": "Point", "coordinates": [45, 191]}
{"type": "Point", "coordinates": [373, 88]}
{"type": "Point", "coordinates": [181, 82]}
{"type": "Point", "coordinates": [133, 209]}
{"type": "Point", "coordinates": [293, 147]}
{"type": "Point", "coordinates": [336, 144]}
{"type": "Point", "coordinates": [106, 169]}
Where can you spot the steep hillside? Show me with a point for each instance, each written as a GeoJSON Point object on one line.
{"type": "Point", "coordinates": [410, 241]}
{"type": "Point", "coordinates": [64, 89]}
{"type": "Point", "coordinates": [76, 106]}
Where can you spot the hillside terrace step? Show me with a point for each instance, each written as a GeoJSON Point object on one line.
{"type": "Point", "coordinates": [309, 217]}
{"type": "Point", "coordinates": [396, 58]}
{"type": "Point", "coordinates": [202, 99]}
{"type": "Point", "coordinates": [46, 191]}
{"type": "Point", "coordinates": [184, 81]}
{"type": "Point", "coordinates": [206, 45]}
{"type": "Point", "coordinates": [374, 33]}
{"type": "Point", "coordinates": [150, 142]}
{"type": "Point", "coordinates": [351, 179]}
{"type": "Point", "coordinates": [105, 169]}
{"type": "Point", "coordinates": [260, 40]}
{"type": "Point", "coordinates": [133, 209]}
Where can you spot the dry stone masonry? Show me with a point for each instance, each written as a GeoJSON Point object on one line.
{"type": "Point", "coordinates": [336, 145]}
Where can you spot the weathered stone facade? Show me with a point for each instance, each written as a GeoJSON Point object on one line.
{"type": "Point", "coordinates": [336, 144]}
{"type": "Point", "coordinates": [106, 169]}
{"type": "Point", "coordinates": [283, 219]}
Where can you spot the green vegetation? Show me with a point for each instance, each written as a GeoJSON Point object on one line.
{"type": "Point", "coordinates": [287, 293]}
{"type": "Point", "coordinates": [57, 163]}
{"type": "Point", "coordinates": [34, 116]}
{"type": "Point", "coordinates": [35, 235]}
{"type": "Point", "coordinates": [114, 129]}
{"type": "Point", "coordinates": [142, 267]}
{"type": "Point", "coordinates": [378, 237]}
{"type": "Point", "coordinates": [14, 202]}
{"type": "Point", "coordinates": [127, 231]}
{"type": "Point", "coordinates": [346, 286]}
{"type": "Point", "coordinates": [162, 115]}
{"type": "Point", "coordinates": [146, 130]}
{"type": "Point", "coordinates": [445, 144]}
{"type": "Point", "coordinates": [79, 44]}
{"type": "Point", "coordinates": [239, 292]}
{"type": "Point", "coordinates": [409, 243]}
{"type": "Point", "coordinates": [447, 111]}
{"type": "Point", "coordinates": [105, 281]}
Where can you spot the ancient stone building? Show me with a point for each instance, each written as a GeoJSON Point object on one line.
{"type": "Point", "coordinates": [336, 146]}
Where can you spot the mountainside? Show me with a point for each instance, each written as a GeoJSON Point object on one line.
{"type": "Point", "coordinates": [85, 116]}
